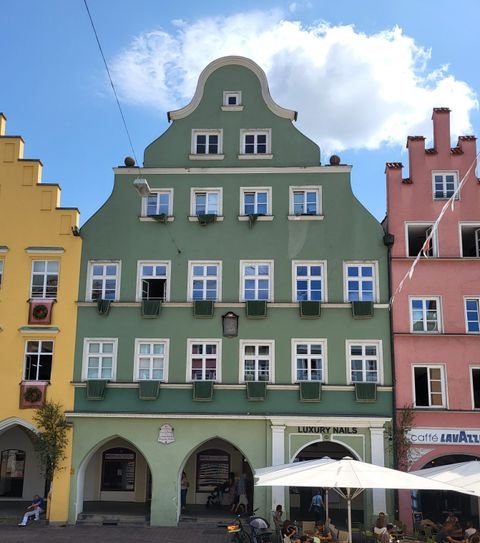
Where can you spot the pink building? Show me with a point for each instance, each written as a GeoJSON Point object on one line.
{"type": "Point", "coordinates": [436, 308]}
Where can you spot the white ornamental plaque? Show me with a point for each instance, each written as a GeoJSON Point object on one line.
{"type": "Point", "coordinates": [166, 435]}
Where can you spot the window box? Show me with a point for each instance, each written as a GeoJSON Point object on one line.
{"type": "Point", "coordinates": [162, 218]}
{"type": "Point", "coordinates": [151, 309]}
{"type": "Point", "coordinates": [203, 308]}
{"type": "Point", "coordinates": [310, 391]}
{"type": "Point", "coordinates": [256, 390]}
{"type": "Point", "coordinates": [256, 309]}
{"type": "Point", "coordinates": [203, 391]}
{"type": "Point", "coordinates": [148, 390]}
{"type": "Point", "coordinates": [365, 392]}
{"type": "Point", "coordinates": [96, 389]}
{"type": "Point", "coordinates": [32, 394]}
{"type": "Point", "coordinates": [362, 310]}
{"type": "Point", "coordinates": [207, 218]}
{"type": "Point", "coordinates": [309, 309]}
{"type": "Point", "coordinates": [103, 307]}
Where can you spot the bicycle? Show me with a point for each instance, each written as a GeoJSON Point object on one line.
{"type": "Point", "coordinates": [258, 530]}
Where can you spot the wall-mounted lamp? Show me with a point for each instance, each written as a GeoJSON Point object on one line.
{"type": "Point", "coordinates": [141, 186]}
{"type": "Point", "coordinates": [76, 231]}
{"type": "Point", "coordinates": [230, 324]}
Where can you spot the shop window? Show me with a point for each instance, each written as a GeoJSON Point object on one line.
{"type": "Point", "coordinates": [118, 470]}
{"type": "Point", "coordinates": [213, 468]}
{"type": "Point", "coordinates": [12, 467]}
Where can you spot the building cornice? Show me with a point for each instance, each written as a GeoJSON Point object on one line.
{"type": "Point", "coordinates": [232, 170]}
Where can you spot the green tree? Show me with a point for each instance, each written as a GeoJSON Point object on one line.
{"type": "Point", "coordinates": [51, 439]}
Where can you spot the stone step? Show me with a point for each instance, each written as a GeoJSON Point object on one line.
{"type": "Point", "coordinates": [91, 519]}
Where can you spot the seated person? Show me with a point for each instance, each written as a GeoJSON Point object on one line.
{"type": "Point", "coordinates": [446, 534]}
{"type": "Point", "coordinates": [453, 519]}
{"type": "Point", "coordinates": [469, 530]}
{"type": "Point", "coordinates": [289, 531]}
{"type": "Point", "coordinates": [379, 526]}
{"type": "Point", "coordinates": [386, 535]}
{"type": "Point", "coordinates": [324, 532]}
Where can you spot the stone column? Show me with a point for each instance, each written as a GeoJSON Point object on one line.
{"type": "Point", "coordinates": [378, 458]}
{"type": "Point", "coordinates": [278, 457]}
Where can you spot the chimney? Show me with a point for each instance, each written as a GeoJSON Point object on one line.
{"type": "Point", "coordinates": [441, 130]}
{"type": "Point", "coordinates": [3, 124]}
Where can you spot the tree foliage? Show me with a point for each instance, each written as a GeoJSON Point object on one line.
{"type": "Point", "coordinates": [401, 439]}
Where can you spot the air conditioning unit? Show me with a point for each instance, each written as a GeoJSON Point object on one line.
{"type": "Point", "coordinates": [40, 311]}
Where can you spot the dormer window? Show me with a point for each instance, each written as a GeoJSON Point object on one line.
{"type": "Point", "coordinates": [232, 101]}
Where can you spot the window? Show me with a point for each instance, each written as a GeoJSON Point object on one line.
{"type": "Point", "coordinates": [476, 387]}
{"type": "Point", "coordinates": [204, 360]}
{"type": "Point", "coordinates": [204, 281]}
{"type": "Point", "coordinates": [1, 272]}
{"type": "Point", "coordinates": [308, 359]}
{"type": "Point", "coordinates": [305, 201]}
{"type": "Point", "coordinates": [118, 470]}
{"type": "Point", "coordinates": [255, 201]}
{"type": "Point", "coordinates": [444, 184]}
{"type": "Point", "coordinates": [424, 314]}
{"type": "Point", "coordinates": [429, 386]}
{"type": "Point", "coordinates": [206, 202]}
{"type": "Point", "coordinates": [153, 281]}
{"type": "Point", "coordinates": [100, 359]}
{"type": "Point", "coordinates": [364, 361]}
{"type": "Point", "coordinates": [309, 281]}
{"type": "Point", "coordinates": [151, 359]}
{"type": "Point", "coordinates": [256, 361]}
{"type": "Point", "coordinates": [44, 279]}
{"type": "Point", "coordinates": [207, 142]}
{"type": "Point", "coordinates": [158, 203]}
{"type": "Point", "coordinates": [38, 360]}
{"type": "Point", "coordinates": [103, 282]}
{"type": "Point", "coordinates": [257, 279]}
{"type": "Point", "coordinates": [232, 98]}
{"type": "Point", "coordinates": [472, 314]}
{"type": "Point", "coordinates": [417, 242]}
{"type": "Point", "coordinates": [470, 234]}
{"type": "Point", "coordinates": [255, 142]}
{"type": "Point", "coordinates": [360, 282]}
{"type": "Point", "coordinates": [12, 471]}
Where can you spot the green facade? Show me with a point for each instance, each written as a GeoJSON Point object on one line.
{"type": "Point", "coordinates": [342, 231]}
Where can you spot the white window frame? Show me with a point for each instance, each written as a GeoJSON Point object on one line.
{"type": "Point", "coordinates": [361, 264]}
{"type": "Point", "coordinates": [238, 101]}
{"type": "Point", "coordinates": [191, 264]}
{"type": "Point", "coordinates": [475, 299]}
{"type": "Point", "coordinates": [244, 132]}
{"type": "Point", "coordinates": [443, 380]}
{"type": "Point", "coordinates": [102, 340]}
{"type": "Point", "coordinates": [309, 278]}
{"type": "Point", "coordinates": [138, 356]}
{"type": "Point", "coordinates": [379, 357]}
{"type": "Point", "coordinates": [271, 358]}
{"type": "Point", "coordinates": [434, 240]}
{"type": "Point", "coordinates": [204, 341]}
{"type": "Point", "coordinates": [157, 193]}
{"type": "Point", "coordinates": [194, 191]}
{"type": "Point", "coordinates": [244, 264]}
{"type": "Point", "coordinates": [317, 189]}
{"type": "Point", "coordinates": [473, 367]}
{"type": "Point", "coordinates": [90, 276]}
{"type": "Point", "coordinates": [424, 299]}
{"type": "Point", "coordinates": [256, 190]}
{"type": "Point", "coordinates": [44, 274]}
{"type": "Point", "coordinates": [475, 227]}
{"type": "Point", "coordinates": [443, 174]}
{"type": "Point", "coordinates": [309, 341]}
{"type": "Point", "coordinates": [207, 132]}
{"type": "Point", "coordinates": [39, 352]}
{"type": "Point", "coordinates": [140, 264]}
{"type": "Point", "coordinates": [2, 271]}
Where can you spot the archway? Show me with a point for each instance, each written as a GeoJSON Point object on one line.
{"type": "Point", "coordinates": [211, 469]}
{"type": "Point", "coordinates": [436, 504]}
{"type": "Point", "coordinates": [301, 497]}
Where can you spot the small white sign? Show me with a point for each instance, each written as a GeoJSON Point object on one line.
{"type": "Point", "coordinates": [444, 436]}
{"type": "Point", "coordinates": [166, 434]}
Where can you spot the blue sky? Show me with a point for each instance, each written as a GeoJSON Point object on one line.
{"type": "Point", "coordinates": [362, 74]}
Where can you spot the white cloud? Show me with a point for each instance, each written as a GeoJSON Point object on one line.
{"type": "Point", "coordinates": [352, 90]}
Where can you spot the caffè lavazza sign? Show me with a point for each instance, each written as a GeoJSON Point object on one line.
{"type": "Point", "coordinates": [444, 436]}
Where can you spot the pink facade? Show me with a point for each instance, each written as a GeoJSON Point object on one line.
{"type": "Point", "coordinates": [436, 311]}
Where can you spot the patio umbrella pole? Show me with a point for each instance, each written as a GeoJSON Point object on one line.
{"type": "Point", "coordinates": [327, 520]}
{"type": "Point", "coordinates": [349, 514]}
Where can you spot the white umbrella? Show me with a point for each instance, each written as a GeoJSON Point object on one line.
{"type": "Point", "coordinates": [463, 474]}
{"type": "Point", "coordinates": [348, 477]}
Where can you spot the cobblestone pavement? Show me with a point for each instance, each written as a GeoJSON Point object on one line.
{"type": "Point", "coordinates": [194, 533]}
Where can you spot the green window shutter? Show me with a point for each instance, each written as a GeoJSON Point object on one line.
{"type": "Point", "coordinates": [310, 391]}
{"type": "Point", "coordinates": [256, 309]}
{"type": "Point", "coordinates": [202, 391]}
{"type": "Point", "coordinates": [148, 390]}
{"type": "Point", "coordinates": [256, 390]}
{"type": "Point", "coordinates": [309, 310]}
{"type": "Point", "coordinates": [362, 310]}
{"type": "Point", "coordinates": [203, 308]}
{"type": "Point", "coordinates": [151, 309]}
{"type": "Point", "coordinates": [96, 389]}
{"type": "Point", "coordinates": [365, 392]}
{"type": "Point", "coordinates": [103, 307]}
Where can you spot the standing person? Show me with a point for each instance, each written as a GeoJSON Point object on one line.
{"type": "Point", "coordinates": [278, 521]}
{"type": "Point", "coordinates": [242, 494]}
{"type": "Point", "coordinates": [184, 484]}
{"type": "Point", "coordinates": [316, 506]}
{"type": "Point", "coordinates": [37, 506]}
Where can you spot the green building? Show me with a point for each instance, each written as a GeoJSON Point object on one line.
{"type": "Point", "coordinates": [233, 313]}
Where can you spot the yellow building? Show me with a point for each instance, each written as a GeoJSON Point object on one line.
{"type": "Point", "coordinates": [39, 267]}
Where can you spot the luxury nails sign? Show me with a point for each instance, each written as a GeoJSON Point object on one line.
{"type": "Point", "coordinates": [444, 436]}
{"type": "Point", "coordinates": [326, 430]}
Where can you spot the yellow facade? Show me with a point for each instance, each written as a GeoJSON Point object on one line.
{"type": "Point", "coordinates": [39, 266]}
